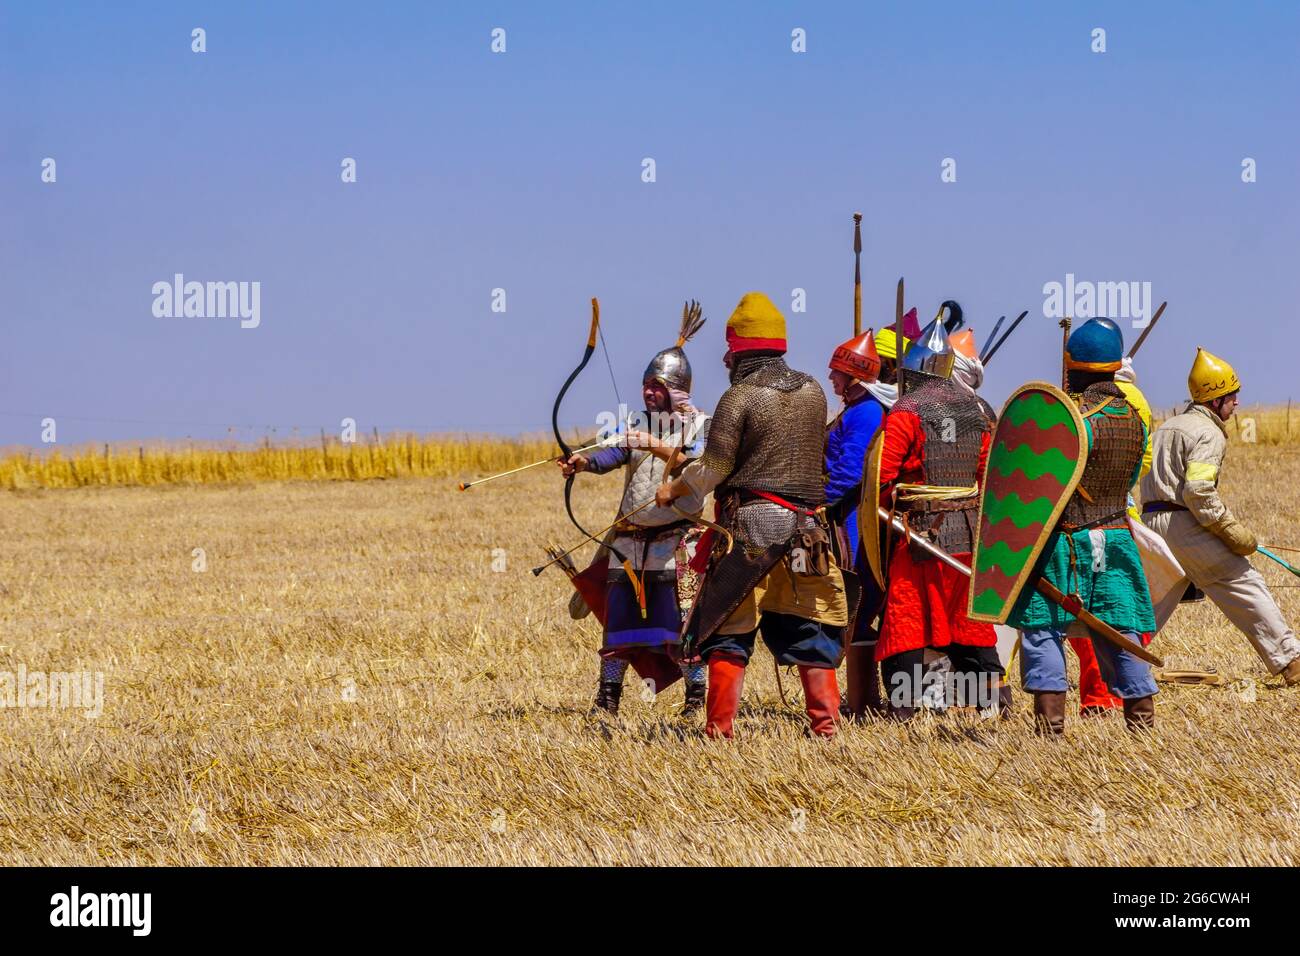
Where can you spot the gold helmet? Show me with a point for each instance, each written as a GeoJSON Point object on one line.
{"type": "Point", "coordinates": [1211, 377]}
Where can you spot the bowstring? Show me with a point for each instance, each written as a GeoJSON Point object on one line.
{"type": "Point", "coordinates": [600, 330]}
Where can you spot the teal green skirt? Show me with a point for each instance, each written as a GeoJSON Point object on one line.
{"type": "Point", "coordinates": [1118, 594]}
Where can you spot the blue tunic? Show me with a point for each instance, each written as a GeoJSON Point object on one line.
{"type": "Point", "coordinates": [846, 451]}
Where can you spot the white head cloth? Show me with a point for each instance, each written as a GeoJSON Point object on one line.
{"type": "Point", "coordinates": [885, 393]}
{"type": "Point", "coordinates": [968, 372]}
{"type": "Point", "coordinates": [1127, 373]}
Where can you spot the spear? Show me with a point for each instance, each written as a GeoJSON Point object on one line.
{"type": "Point", "coordinates": [898, 309]}
{"type": "Point", "coordinates": [1147, 331]}
{"type": "Point", "coordinates": [1065, 341]}
{"type": "Point", "coordinates": [1069, 602]}
{"type": "Point", "coordinates": [857, 274]}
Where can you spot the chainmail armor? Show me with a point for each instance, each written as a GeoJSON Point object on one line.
{"type": "Point", "coordinates": [1117, 446]}
{"type": "Point", "coordinates": [955, 425]}
{"type": "Point", "coordinates": [769, 432]}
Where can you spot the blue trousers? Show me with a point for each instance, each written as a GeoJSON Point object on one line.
{"type": "Point", "coordinates": [1042, 662]}
{"type": "Point", "coordinates": [792, 640]}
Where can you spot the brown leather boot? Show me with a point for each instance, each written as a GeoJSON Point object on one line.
{"type": "Point", "coordinates": [1049, 712]}
{"type": "Point", "coordinates": [863, 682]}
{"type": "Point", "coordinates": [1140, 713]}
{"type": "Point", "coordinates": [1291, 673]}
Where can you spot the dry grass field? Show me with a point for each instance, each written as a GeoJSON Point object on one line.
{"type": "Point", "coordinates": [351, 682]}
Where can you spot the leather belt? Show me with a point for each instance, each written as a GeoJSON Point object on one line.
{"type": "Point", "coordinates": [1108, 522]}
{"type": "Point", "coordinates": [1154, 507]}
{"type": "Point", "coordinates": [747, 496]}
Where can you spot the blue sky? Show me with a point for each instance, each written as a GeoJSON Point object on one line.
{"type": "Point", "coordinates": [522, 171]}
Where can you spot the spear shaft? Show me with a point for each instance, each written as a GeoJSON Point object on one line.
{"type": "Point", "coordinates": [857, 274]}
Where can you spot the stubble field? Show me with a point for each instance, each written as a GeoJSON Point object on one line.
{"type": "Point", "coordinates": [367, 673]}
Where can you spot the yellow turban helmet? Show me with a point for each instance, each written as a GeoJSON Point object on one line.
{"type": "Point", "coordinates": [887, 344]}
{"type": "Point", "coordinates": [756, 324]}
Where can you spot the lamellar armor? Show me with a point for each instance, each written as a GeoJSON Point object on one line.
{"type": "Point", "coordinates": [955, 426]}
{"type": "Point", "coordinates": [1118, 440]}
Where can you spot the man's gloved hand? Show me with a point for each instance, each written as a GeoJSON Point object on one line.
{"type": "Point", "coordinates": [1239, 539]}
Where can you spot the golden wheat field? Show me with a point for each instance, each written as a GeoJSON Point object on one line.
{"type": "Point", "coordinates": [367, 673]}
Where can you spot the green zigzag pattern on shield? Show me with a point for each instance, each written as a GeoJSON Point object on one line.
{"type": "Point", "coordinates": [1022, 464]}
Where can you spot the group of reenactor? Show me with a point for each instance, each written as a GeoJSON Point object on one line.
{"type": "Point", "coordinates": [919, 533]}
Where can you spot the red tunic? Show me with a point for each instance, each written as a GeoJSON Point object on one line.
{"type": "Point", "coordinates": [926, 606]}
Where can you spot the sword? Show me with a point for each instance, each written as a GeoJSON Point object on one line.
{"type": "Point", "coordinates": [1147, 331]}
{"type": "Point", "coordinates": [898, 309]}
{"type": "Point", "coordinates": [992, 337]}
{"type": "Point", "coordinates": [1070, 603]}
{"type": "Point", "coordinates": [1005, 335]}
{"type": "Point", "coordinates": [857, 274]}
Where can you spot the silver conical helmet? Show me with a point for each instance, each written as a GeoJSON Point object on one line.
{"type": "Point", "coordinates": [670, 366]}
{"type": "Point", "coordinates": [931, 353]}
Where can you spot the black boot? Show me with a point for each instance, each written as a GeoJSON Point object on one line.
{"type": "Point", "coordinates": [694, 698]}
{"type": "Point", "coordinates": [607, 697]}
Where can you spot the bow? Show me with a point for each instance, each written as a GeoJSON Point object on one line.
{"type": "Point", "coordinates": [637, 585]}
{"type": "Point", "coordinates": [555, 410]}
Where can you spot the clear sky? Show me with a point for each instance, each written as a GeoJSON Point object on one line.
{"type": "Point", "coordinates": [522, 171]}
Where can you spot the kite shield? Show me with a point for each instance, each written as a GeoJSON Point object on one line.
{"type": "Point", "coordinates": [1038, 452]}
{"type": "Point", "coordinates": [869, 530]}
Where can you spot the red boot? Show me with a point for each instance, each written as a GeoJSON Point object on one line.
{"type": "Point", "coordinates": [726, 677]}
{"type": "Point", "coordinates": [821, 698]}
{"type": "Point", "coordinates": [1094, 696]}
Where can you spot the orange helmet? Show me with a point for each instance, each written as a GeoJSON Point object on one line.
{"type": "Point", "coordinates": [964, 342]}
{"type": "Point", "coordinates": [857, 358]}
